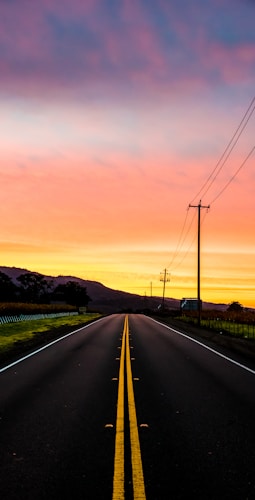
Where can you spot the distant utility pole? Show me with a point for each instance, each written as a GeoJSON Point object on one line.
{"type": "Point", "coordinates": [164, 276]}
{"type": "Point", "coordinates": [151, 289]}
{"type": "Point", "coordinates": [199, 206]}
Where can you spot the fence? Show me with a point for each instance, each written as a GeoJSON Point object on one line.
{"type": "Point", "coordinates": [31, 317]}
{"type": "Point", "coordinates": [245, 330]}
{"type": "Point", "coordinates": [223, 326]}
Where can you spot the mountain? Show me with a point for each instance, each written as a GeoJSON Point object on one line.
{"type": "Point", "coordinates": [104, 299]}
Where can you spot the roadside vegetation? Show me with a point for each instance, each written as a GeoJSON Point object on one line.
{"type": "Point", "coordinates": [22, 333]}
{"type": "Point", "coordinates": [237, 323]}
{"type": "Point", "coordinates": [31, 295]}
{"type": "Point", "coordinates": [17, 308]}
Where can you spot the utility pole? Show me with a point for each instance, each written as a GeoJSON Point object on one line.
{"type": "Point", "coordinates": [164, 276]}
{"type": "Point", "coordinates": [199, 206]}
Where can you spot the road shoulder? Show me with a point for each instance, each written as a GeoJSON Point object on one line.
{"type": "Point", "coordinates": [244, 347]}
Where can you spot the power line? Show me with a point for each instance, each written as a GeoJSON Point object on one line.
{"type": "Point", "coordinates": [186, 253]}
{"type": "Point", "coordinates": [191, 243]}
{"type": "Point", "coordinates": [181, 242]}
{"type": "Point", "coordinates": [242, 125]}
{"type": "Point", "coordinates": [233, 176]}
{"type": "Point", "coordinates": [180, 237]}
{"type": "Point", "coordinates": [188, 249]}
{"type": "Point", "coordinates": [210, 180]}
{"type": "Point", "coordinates": [228, 155]}
{"type": "Point", "coordinates": [225, 187]}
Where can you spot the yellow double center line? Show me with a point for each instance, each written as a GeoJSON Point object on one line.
{"type": "Point", "coordinates": [136, 460]}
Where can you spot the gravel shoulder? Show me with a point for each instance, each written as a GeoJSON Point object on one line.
{"type": "Point", "coordinates": [244, 347]}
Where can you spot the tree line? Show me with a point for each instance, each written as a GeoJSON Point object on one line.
{"type": "Point", "coordinates": [35, 288]}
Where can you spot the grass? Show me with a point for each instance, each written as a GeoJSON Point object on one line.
{"type": "Point", "coordinates": [13, 334]}
{"type": "Point", "coordinates": [241, 330]}
{"type": "Point", "coordinates": [234, 328]}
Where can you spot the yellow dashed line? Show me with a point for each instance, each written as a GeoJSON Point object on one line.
{"type": "Point", "coordinates": [136, 460]}
{"type": "Point", "coordinates": [137, 468]}
{"type": "Point", "coordinates": [119, 476]}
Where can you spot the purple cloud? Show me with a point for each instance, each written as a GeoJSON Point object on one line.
{"type": "Point", "coordinates": [122, 47]}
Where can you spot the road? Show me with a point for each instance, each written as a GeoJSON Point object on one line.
{"type": "Point", "coordinates": [128, 408]}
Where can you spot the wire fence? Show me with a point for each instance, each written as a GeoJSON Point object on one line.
{"type": "Point", "coordinates": [234, 327]}
{"type": "Point", "coordinates": [243, 330]}
{"type": "Point", "coordinates": [31, 317]}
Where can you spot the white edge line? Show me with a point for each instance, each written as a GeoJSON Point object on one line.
{"type": "Point", "coordinates": [46, 346]}
{"type": "Point", "coordinates": [206, 347]}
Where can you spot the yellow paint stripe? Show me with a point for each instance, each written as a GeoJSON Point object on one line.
{"type": "Point", "coordinates": [137, 467]}
{"type": "Point", "coordinates": [119, 475]}
{"type": "Point", "coordinates": [136, 460]}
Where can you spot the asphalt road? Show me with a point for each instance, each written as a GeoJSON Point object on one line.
{"type": "Point", "coordinates": [192, 421]}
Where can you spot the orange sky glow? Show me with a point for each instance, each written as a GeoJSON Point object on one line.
{"type": "Point", "coordinates": [109, 130]}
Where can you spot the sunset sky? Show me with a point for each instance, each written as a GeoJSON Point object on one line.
{"type": "Point", "coordinates": [114, 115]}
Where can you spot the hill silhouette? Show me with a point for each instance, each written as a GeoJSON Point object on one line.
{"type": "Point", "coordinates": [105, 299]}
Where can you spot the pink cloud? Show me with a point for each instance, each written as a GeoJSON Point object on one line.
{"type": "Point", "coordinates": [52, 49]}
{"type": "Point", "coordinates": [234, 63]}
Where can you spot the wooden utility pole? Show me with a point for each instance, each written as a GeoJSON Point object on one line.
{"type": "Point", "coordinates": [199, 206]}
{"type": "Point", "coordinates": [164, 276]}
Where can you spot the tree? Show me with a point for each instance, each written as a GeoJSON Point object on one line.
{"type": "Point", "coordinates": [34, 287]}
{"type": "Point", "coordinates": [235, 307]}
{"type": "Point", "coordinates": [72, 293]}
{"type": "Point", "coordinates": [7, 288]}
